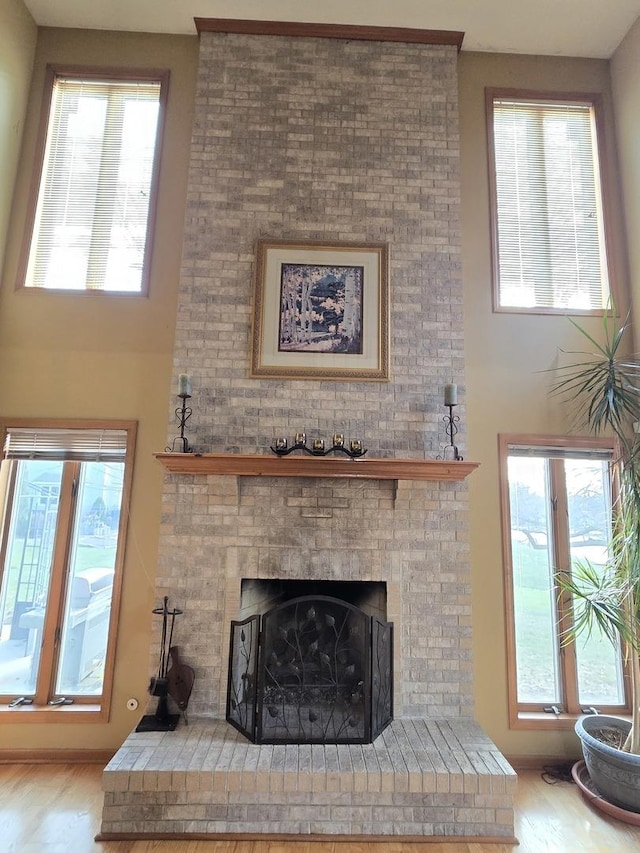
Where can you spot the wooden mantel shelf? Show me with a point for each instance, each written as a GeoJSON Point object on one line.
{"type": "Point", "coordinates": [257, 465]}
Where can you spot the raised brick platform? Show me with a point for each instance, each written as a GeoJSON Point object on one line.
{"type": "Point", "coordinates": [420, 778]}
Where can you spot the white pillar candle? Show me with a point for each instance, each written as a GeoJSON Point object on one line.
{"type": "Point", "coordinates": [184, 385]}
{"type": "Point", "coordinates": [451, 394]}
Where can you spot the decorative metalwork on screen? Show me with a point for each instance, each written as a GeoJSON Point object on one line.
{"type": "Point", "coordinates": [324, 674]}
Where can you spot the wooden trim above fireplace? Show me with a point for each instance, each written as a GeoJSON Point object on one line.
{"type": "Point", "coordinates": [352, 32]}
{"type": "Point", "coordinates": [257, 465]}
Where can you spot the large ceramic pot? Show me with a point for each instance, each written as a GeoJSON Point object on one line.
{"type": "Point", "coordinates": [614, 773]}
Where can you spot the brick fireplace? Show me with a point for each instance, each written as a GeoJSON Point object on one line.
{"type": "Point", "coordinates": [345, 141]}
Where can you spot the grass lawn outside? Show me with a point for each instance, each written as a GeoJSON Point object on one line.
{"type": "Point", "coordinates": [535, 619]}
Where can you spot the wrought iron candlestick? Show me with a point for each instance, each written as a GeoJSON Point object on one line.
{"type": "Point", "coordinates": [451, 422]}
{"type": "Point", "coordinates": [183, 413]}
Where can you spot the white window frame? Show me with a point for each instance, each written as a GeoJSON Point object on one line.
{"type": "Point", "coordinates": [605, 262]}
{"type": "Point", "coordinates": [93, 75]}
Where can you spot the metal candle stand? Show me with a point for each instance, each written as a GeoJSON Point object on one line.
{"type": "Point", "coordinates": [162, 720]}
{"type": "Point", "coordinates": [183, 413]}
{"type": "Point", "coordinates": [450, 425]}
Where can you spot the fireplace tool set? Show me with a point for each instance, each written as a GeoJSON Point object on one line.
{"type": "Point", "coordinates": [174, 678]}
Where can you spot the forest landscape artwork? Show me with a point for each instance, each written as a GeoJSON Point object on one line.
{"type": "Point", "coordinates": [321, 308]}
{"type": "Point", "coordinates": [321, 311]}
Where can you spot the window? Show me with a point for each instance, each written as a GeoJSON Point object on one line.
{"type": "Point", "coordinates": [556, 512]}
{"type": "Point", "coordinates": [548, 228]}
{"type": "Point", "coordinates": [92, 223]}
{"type": "Point", "coordinates": [64, 492]}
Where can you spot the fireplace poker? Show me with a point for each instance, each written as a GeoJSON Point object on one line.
{"type": "Point", "coordinates": [161, 668]}
{"type": "Point", "coordinates": [164, 648]}
{"type": "Point", "coordinates": [173, 621]}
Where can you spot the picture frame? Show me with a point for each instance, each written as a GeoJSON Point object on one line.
{"type": "Point", "coordinates": [321, 311]}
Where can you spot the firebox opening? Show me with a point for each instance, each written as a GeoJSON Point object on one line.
{"type": "Point", "coordinates": [257, 596]}
{"type": "Point", "coordinates": [311, 662]}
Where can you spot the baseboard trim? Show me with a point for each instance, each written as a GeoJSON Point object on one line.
{"type": "Point", "coordinates": [104, 756]}
{"type": "Point", "coordinates": [538, 762]}
{"type": "Point", "coordinates": [56, 756]}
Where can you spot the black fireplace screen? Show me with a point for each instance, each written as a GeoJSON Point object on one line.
{"type": "Point", "coordinates": [315, 669]}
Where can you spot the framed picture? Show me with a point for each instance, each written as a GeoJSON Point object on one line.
{"type": "Point", "coordinates": [321, 311]}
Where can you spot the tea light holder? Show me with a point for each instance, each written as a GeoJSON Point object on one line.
{"type": "Point", "coordinates": [318, 447]}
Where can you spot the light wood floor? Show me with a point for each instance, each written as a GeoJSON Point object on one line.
{"type": "Point", "coordinates": [56, 809]}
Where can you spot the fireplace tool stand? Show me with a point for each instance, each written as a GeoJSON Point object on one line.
{"type": "Point", "coordinates": [160, 685]}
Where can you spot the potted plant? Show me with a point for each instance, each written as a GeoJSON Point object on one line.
{"type": "Point", "coordinates": [605, 387]}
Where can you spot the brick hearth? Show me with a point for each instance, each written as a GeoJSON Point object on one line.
{"type": "Point", "coordinates": [419, 778]}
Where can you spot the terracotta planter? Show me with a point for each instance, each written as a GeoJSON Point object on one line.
{"type": "Point", "coordinates": [615, 774]}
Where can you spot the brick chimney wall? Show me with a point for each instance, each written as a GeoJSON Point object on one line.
{"type": "Point", "coordinates": [322, 139]}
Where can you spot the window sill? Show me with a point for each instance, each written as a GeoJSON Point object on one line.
{"type": "Point", "coordinates": [46, 714]}
{"type": "Point", "coordinates": [541, 721]}
{"type": "Point", "coordinates": [93, 293]}
{"type": "Point", "coordinates": [550, 312]}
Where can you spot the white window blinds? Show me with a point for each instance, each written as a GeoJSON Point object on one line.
{"type": "Point", "coordinates": [548, 206]}
{"type": "Point", "coordinates": [91, 221]}
{"type": "Point", "coordinates": [542, 451]}
{"type": "Point", "coordinates": [96, 445]}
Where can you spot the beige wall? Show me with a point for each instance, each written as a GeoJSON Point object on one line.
{"type": "Point", "coordinates": [17, 47]}
{"type": "Point", "coordinates": [82, 356]}
{"type": "Point", "coordinates": [506, 359]}
{"type": "Point", "coordinates": [90, 355]}
{"type": "Point", "coordinates": [625, 75]}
